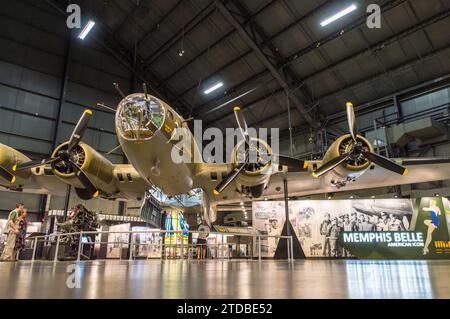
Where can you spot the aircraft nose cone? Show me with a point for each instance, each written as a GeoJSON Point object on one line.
{"type": "Point", "coordinates": [139, 117]}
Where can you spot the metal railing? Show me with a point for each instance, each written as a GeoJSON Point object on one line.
{"type": "Point", "coordinates": [181, 249]}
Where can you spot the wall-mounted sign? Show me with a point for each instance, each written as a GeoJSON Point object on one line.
{"type": "Point", "coordinates": [362, 228]}
{"type": "Point", "coordinates": [428, 237]}
{"type": "Point", "coordinates": [389, 239]}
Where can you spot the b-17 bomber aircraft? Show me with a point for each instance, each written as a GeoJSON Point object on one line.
{"type": "Point", "coordinates": [147, 130]}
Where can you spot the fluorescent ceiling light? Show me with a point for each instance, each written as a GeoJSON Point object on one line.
{"type": "Point", "coordinates": [338, 15]}
{"type": "Point", "coordinates": [213, 88]}
{"type": "Point", "coordinates": [86, 30]}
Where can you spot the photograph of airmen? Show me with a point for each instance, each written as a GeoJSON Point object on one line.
{"type": "Point", "coordinates": [318, 224]}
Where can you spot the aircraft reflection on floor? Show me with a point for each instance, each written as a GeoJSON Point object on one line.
{"type": "Point", "coordinates": [231, 279]}
{"type": "Point", "coordinates": [370, 279]}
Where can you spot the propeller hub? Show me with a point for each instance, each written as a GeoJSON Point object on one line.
{"type": "Point", "coordinates": [258, 155]}
{"type": "Point", "coordinates": [356, 160]}
{"type": "Point", "coordinates": [63, 165]}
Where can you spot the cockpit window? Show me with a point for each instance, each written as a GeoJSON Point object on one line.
{"type": "Point", "coordinates": [138, 118]}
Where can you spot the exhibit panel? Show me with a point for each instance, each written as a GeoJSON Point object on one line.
{"type": "Point", "coordinates": [333, 228]}
{"type": "Point", "coordinates": [146, 242]}
{"type": "Point", "coordinates": [118, 240]}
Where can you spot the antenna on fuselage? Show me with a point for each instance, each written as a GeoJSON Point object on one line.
{"type": "Point", "coordinates": [103, 105]}
{"type": "Point", "coordinates": [188, 120]}
{"type": "Point", "coordinates": [118, 89]}
{"type": "Point", "coordinates": [114, 149]}
{"type": "Point", "coordinates": [144, 87]}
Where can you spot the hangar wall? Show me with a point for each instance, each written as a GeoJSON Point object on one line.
{"type": "Point", "coordinates": [410, 106]}
{"type": "Point", "coordinates": [38, 105]}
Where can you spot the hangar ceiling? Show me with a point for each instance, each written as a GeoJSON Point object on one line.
{"type": "Point", "coordinates": [280, 46]}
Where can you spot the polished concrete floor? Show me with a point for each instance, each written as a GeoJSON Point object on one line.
{"type": "Point", "coordinates": [228, 279]}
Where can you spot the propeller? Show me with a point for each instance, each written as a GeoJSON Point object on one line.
{"type": "Point", "coordinates": [85, 181]}
{"type": "Point", "coordinates": [65, 156]}
{"type": "Point", "coordinates": [292, 163]}
{"type": "Point", "coordinates": [357, 150]}
{"type": "Point", "coordinates": [280, 159]}
{"type": "Point", "coordinates": [330, 165]}
{"type": "Point", "coordinates": [386, 163]}
{"type": "Point", "coordinates": [79, 130]}
{"type": "Point", "coordinates": [31, 164]}
{"type": "Point", "coordinates": [242, 124]}
{"type": "Point", "coordinates": [228, 179]}
{"type": "Point", "coordinates": [351, 120]}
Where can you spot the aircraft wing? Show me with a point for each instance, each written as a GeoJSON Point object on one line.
{"type": "Point", "coordinates": [41, 180]}
{"type": "Point", "coordinates": [420, 170]}
{"type": "Point", "coordinates": [129, 183]}
{"type": "Point", "coordinates": [35, 181]}
{"type": "Point", "coordinates": [209, 175]}
{"type": "Point", "coordinates": [303, 184]}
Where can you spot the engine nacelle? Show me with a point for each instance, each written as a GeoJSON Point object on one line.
{"type": "Point", "coordinates": [255, 178]}
{"type": "Point", "coordinates": [354, 166]}
{"type": "Point", "coordinates": [99, 170]}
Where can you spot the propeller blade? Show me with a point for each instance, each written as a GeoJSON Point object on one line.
{"type": "Point", "coordinates": [290, 162]}
{"type": "Point", "coordinates": [330, 165]}
{"type": "Point", "coordinates": [32, 164]}
{"type": "Point", "coordinates": [79, 130]}
{"type": "Point", "coordinates": [7, 175]}
{"type": "Point", "coordinates": [386, 163]}
{"type": "Point", "coordinates": [229, 178]}
{"type": "Point", "coordinates": [85, 181]}
{"type": "Point", "coordinates": [351, 120]}
{"type": "Point", "coordinates": [241, 123]}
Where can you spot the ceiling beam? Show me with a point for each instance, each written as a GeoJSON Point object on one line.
{"type": "Point", "coordinates": [106, 39]}
{"type": "Point", "coordinates": [312, 47]}
{"type": "Point", "coordinates": [220, 40]}
{"type": "Point", "coordinates": [201, 16]}
{"type": "Point", "coordinates": [265, 61]}
{"type": "Point", "coordinates": [402, 94]}
{"type": "Point", "coordinates": [157, 25]}
{"type": "Point", "coordinates": [246, 106]}
{"type": "Point", "coordinates": [394, 69]}
{"type": "Point", "coordinates": [353, 25]}
{"type": "Point", "coordinates": [383, 102]}
{"type": "Point", "coordinates": [247, 53]}
{"type": "Point", "coordinates": [289, 72]}
{"type": "Point", "coordinates": [373, 49]}
{"type": "Point", "coordinates": [277, 55]}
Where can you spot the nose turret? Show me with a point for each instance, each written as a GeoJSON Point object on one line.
{"type": "Point", "coordinates": [139, 117]}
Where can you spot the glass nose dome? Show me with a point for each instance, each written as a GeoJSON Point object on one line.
{"type": "Point", "coordinates": [139, 118]}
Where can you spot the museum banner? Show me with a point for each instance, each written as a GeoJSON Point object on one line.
{"type": "Point", "coordinates": [361, 228]}
{"type": "Point", "coordinates": [428, 237]}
